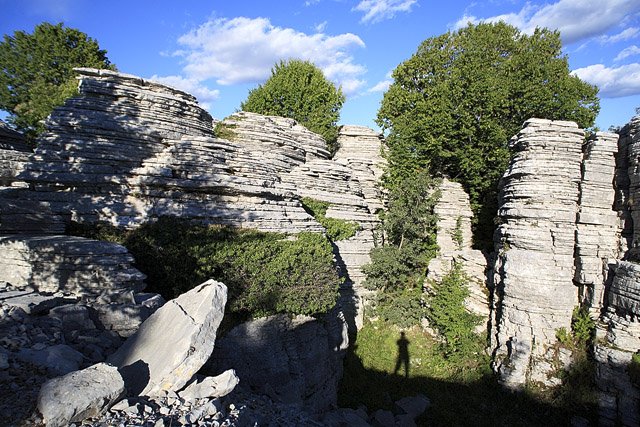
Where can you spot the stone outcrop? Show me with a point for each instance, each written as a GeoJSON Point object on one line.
{"type": "Point", "coordinates": [80, 395]}
{"type": "Point", "coordinates": [129, 150]}
{"type": "Point", "coordinates": [617, 340]}
{"type": "Point", "coordinates": [14, 154]}
{"type": "Point", "coordinates": [597, 223]}
{"type": "Point", "coordinates": [74, 265]}
{"type": "Point", "coordinates": [300, 359]}
{"type": "Point", "coordinates": [534, 293]}
{"type": "Point", "coordinates": [453, 237]}
{"type": "Point", "coordinates": [28, 217]}
{"type": "Point", "coordinates": [173, 343]}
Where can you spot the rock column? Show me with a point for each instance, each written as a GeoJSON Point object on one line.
{"type": "Point", "coordinates": [597, 228]}
{"type": "Point", "coordinates": [534, 291]}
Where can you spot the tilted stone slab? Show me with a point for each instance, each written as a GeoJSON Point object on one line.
{"type": "Point", "coordinates": [174, 342]}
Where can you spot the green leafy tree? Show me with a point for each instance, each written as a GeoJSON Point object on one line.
{"type": "Point", "coordinates": [36, 72]}
{"type": "Point", "coordinates": [448, 314]}
{"type": "Point", "coordinates": [406, 243]}
{"type": "Point", "coordinates": [298, 90]}
{"type": "Point", "coordinates": [458, 100]}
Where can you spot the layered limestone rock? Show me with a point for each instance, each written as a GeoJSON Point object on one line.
{"type": "Point", "coordinates": [14, 154]}
{"type": "Point", "coordinates": [597, 222]}
{"type": "Point", "coordinates": [30, 217]}
{"type": "Point", "coordinates": [534, 292]}
{"type": "Point", "coordinates": [630, 146]}
{"type": "Point", "coordinates": [617, 340]}
{"type": "Point", "coordinates": [360, 148]}
{"type": "Point", "coordinates": [72, 265]}
{"type": "Point", "coordinates": [454, 240]}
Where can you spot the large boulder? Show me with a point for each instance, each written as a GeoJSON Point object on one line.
{"type": "Point", "coordinates": [173, 343]}
{"type": "Point", "coordinates": [293, 360]}
{"type": "Point", "coordinates": [80, 395]}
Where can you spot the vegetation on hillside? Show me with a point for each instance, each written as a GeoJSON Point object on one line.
{"type": "Point", "coordinates": [266, 273]}
{"type": "Point", "coordinates": [299, 90]}
{"type": "Point", "coordinates": [454, 105]}
{"type": "Point", "coordinates": [36, 72]}
{"type": "Point", "coordinates": [336, 229]}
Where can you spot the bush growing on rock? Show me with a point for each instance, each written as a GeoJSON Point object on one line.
{"type": "Point", "coordinates": [266, 273]}
{"type": "Point", "coordinates": [337, 229]}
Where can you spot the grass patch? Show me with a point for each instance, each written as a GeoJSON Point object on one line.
{"type": "Point", "coordinates": [463, 390]}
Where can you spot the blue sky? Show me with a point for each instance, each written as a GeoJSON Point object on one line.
{"type": "Point", "coordinates": [218, 50]}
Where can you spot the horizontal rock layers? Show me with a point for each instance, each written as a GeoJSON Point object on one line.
{"type": "Point", "coordinates": [534, 291]}
{"type": "Point", "coordinates": [14, 154]}
{"type": "Point", "coordinates": [129, 150]}
{"type": "Point", "coordinates": [454, 240]}
{"type": "Point", "coordinates": [72, 265]}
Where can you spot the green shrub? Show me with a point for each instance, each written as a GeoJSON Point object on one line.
{"type": "Point", "coordinates": [563, 336]}
{"type": "Point", "coordinates": [582, 325]}
{"type": "Point", "coordinates": [634, 368]}
{"type": "Point", "coordinates": [402, 307]}
{"type": "Point", "coordinates": [457, 233]}
{"type": "Point", "coordinates": [266, 273]}
{"type": "Point", "coordinates": [448, 314]}
{"type": "Point", "coordinates": [336, 229]}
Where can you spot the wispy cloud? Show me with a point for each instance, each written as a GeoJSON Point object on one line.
{"type": "Point", "coordinates": [575, 19]}
{"type": "Point", "coordinates": [243, 50]}
{"type": "Point", "coordinates": [381, 86]}
{"type": "Point", "coordinates": [624, 35]}
{"type": "Point", "coordinates": [612, 82]}
{"type": "Point", "coordinates": [203, 94]}
{"type": "Point", "coordinates": [379, 10]}
{"type": "Point", "coordinates": [626, 52]}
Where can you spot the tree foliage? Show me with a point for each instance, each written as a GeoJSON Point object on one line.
{"type": "Point", "coordinates": [36, 72]}
{"type": "Point", "coordinates": [457, 101]}
{"type": "Point", "coordinates": [298, 90]}
{"type": "Point", "coordinates": [448, 314]}
{"type": "Point", "coordinates": [405, 244]}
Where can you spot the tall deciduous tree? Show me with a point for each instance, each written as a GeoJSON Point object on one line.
{"type": "Point", "coordinates": [456, 102]}
{"type": "Point", "coordinates": [36, 72]}
{"type": "Point", "coordinates": [299, 90]}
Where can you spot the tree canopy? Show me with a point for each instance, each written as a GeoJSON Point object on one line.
{"type": "Point", "coordinates": [299, 90]}
{"type": "Point", "coordinates": [36, 72]}
{"type": "Point", "coordinates": [454, 105]}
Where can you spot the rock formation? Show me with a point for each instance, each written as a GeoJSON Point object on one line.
{"type": "Point", "coordinates": [14, 154]}
{"type": "Point", "coordinates": [598, 231]}
{"type": "Point", "coordinates": [454, 240]}
{"type": "Point", "coordinates": [173, 343]}
{"type": "Point", "coordinates": [300, 359]}
{"type": "Point", "coordinates": [534, 291]}
{"type": "Point", "coordinates": [129, 150]}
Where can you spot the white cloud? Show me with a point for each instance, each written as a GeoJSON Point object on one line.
{"type": "Point", "coordinates": [380, 87]}
{"type": "Point", "coordinates": [321, 26]}
{"type": "Point", "coordinates": [575, 19]}
{"type": "Point", "coordinates": [379, 10]}
{"type": "Point", "coordinates": [204, 95]}
{"type": "Point", "coordinates": [243, 50]}
{"type": "Point", "coordinates": [612, 82]}
{"type": "Point", "coordinates": [627, 51]}
{"type": "Point", "coordinates": [627, 34]}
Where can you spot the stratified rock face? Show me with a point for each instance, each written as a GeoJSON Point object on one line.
{"type": "Point", "coordinates": [174, 343]}
{"type": "Point", "coordinates": [360, 149]}
{"type": "Point", "coordinates": [73, 265]}
{"type": "Point", "coordinates": [454, 240]}
{"type": "Point", "coordinates": [296, 361]}
{"type": "Point", "coordinates": [14, 154]}
{"type": "Point", "coordinates": [597, 224]}
{"type": "Point", "coordinates": [534, 268]}
{"type": "Point", "coordinates": [129, 150]}
{"type": "Point", "coordinates": [630, 142]}
{"type": "Point", "coordinates": [30, 217]}
{"type": "Point", "coordinates": [617, 340]}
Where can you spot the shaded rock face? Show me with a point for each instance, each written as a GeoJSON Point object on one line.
{"type": "Point", "coordinates": [454, 240]}
{"type": "Point", "coordinates": [14, 154]}
{"type": "Point", "coordinates": [73, 265]}
{"type": "Point", "coordinates": [299, 359]}
{"type": "Point", "coordinates": [534, 291]}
